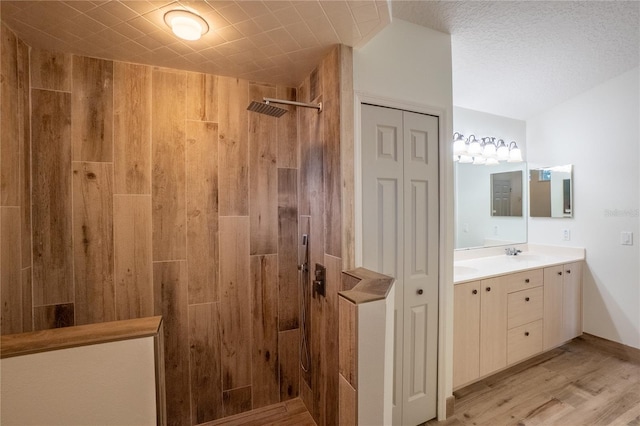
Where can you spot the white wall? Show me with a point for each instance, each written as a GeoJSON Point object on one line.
{"type": "Point", "coordinates": [472, 183]}
{"type": "Point", "coordinates": [411, 65]}
{"type": "Point", "coordinates": [599, 133]}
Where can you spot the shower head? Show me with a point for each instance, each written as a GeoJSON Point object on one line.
{"type": "Point", "coordinates": [266, 108]}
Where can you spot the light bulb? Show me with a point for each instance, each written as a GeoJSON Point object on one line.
{"type": "Point", "coordinates": [186, 25]}
{"type": "Point", "coordinates": [465, 159]}
{"type": "Point", "coordinates": [503, 151]}
{"type": "Point", "coordinates": [489, 150]}
{"type": "Point", "coordinates": [479, 160]}
{"type": "Point", "coordinates": [474, 146]}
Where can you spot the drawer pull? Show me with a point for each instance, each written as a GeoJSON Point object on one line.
{"type": "Point", "coordinates": [526, 333]}
{"type": "Point", "coordinates": [488, 288]}
{"type": "Point", "coordinates": [559, 273]}
{"type": "Point", "coordinates": [527, 281]}
{"type": "Point", "coordinates": [526, 299]}
{"type": "Point", "coordinates": [475, 292]}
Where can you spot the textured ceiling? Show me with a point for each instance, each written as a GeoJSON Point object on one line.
{"type": "Point", "coordinates": [269, 41]}
{"type": "Point", "coordinates": [518, 58]}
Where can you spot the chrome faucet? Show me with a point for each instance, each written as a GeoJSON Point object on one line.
{"type": "Point", "coordinates": [512, 251]}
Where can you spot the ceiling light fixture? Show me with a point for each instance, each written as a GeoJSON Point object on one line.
{"type": "Point", "coordinates": [186, 25]}
{"type": "Point", "coordinates": [486, 151]}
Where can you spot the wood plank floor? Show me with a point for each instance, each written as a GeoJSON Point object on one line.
{"type": "Point", "coordinates": [289, 413]}
{"type": "Point", "coordinates": [587, 381]}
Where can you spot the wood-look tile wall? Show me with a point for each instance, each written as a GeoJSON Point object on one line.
{"type": "Point", "coordinates": [147, 191]}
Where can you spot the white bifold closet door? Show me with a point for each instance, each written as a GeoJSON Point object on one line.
{"type": "Point", "coordinates": [401, 239]}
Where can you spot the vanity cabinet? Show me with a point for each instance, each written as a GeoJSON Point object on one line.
{"type": "Point", "coordinates": [562, 303]}
{"type": "Point", "coordinates": [480, 337]}
{"type": "Point", "coordinates": [503, 320]}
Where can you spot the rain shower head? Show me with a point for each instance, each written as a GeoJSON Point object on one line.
{"type": "Point", "coordinates": [265, 106]}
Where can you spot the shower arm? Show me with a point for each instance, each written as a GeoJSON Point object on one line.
{"type": "Point", "coordinates": [317, 106]}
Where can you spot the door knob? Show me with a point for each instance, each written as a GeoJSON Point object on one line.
{"type": "Point", "coordinates": [420, 291]}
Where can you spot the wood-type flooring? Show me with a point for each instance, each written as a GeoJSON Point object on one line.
{"type": "Point", "coordinates": [588, 381]}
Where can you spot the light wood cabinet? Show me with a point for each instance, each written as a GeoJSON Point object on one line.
{"type": "Point", "coordinates": [504, 320]}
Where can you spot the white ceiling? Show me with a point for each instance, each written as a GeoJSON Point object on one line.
{"type": "Point", "coordinates": [511, 58]}
{"type": "Point", "coordinates": [519, 58]}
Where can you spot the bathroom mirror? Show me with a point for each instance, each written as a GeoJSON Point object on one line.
{"type": "Point", "coordinates": [551, 191]}
{"type": "Point", "coordinates": [506, 193]}
{"type": "Point", "coordinates": [475, 224]}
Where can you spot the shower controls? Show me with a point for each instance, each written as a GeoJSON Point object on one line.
{"type": "Point", "coordinates": [319, 283]}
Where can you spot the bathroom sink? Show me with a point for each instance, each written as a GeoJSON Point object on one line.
{"type": "Point", "coordinates": [464, 270]}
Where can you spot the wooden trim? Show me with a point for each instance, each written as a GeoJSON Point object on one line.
{"type": "Point", "coordinates": [71, 337]}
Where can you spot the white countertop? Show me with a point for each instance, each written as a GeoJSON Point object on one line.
{"type": "Point", "coordinates": [487, 263]}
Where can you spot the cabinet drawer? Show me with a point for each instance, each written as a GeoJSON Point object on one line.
{"type": "Point", "coordinates": [525, 306]}
{"type": "Point", "coordinates": [524, 341]}
{"type": "Point", "coordinates": [523, 280]}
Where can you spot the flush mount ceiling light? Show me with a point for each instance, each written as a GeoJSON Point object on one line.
{"type": "Point", "coordinates": [485, 151]}
{"type": "Point", "coordinates": [186, 25]}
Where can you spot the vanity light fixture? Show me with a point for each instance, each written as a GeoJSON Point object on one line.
{"type": "Point", "coordinates": [487, 151]}
{"type": "Point", "coordinates": [185, 24]}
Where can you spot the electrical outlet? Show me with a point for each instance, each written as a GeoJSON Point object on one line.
{"type": "Point", "coordinates": [626, 238]}
{"type": "Point", "coordinates": [566, 235]}
{"type": "Point", "coordinates": [495, 229]}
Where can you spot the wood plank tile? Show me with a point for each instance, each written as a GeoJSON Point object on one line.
{"type": "Point", "coordinates": [263, 185]}
{"type": "Point", "coordinates": [287, 130]}
{"type": "Point", "coordinates": [51, 197]}
{"type": "Point", "coordinates": [50, 70]}
{"type": "Point", "coordinates": [289, 360]}
{"type": "Point", "coordinates": [236, 400]}
{"type": "Point", "coordinates": [206, 374]}
{"type": "Point", "coordinates": [170, 301]}
{"type": "Point", "coordinates": [202, 97]}
{"type": "Point", "coordinates": [348, 409]}
{"type": "Point", "coordinates": [27, 301]}
{"type": "Point", "coordinates": [92, 109]}
{"type": "Point", "coordinates": [235, 298]}
{"type": "Point", "coordinates": [292, 412]}
{"type": "Point", "coordinates": [306, 395]}
{"type": "Point", "coordinates": [168, 163]}
{"type": "Point", "coordinates": [53, 316]}
{"type": "Point", "coordinates": [24, 114]}
{"type": "Point", "coordinates": [332, 164]}
{"type": "Point", "coordinates": [132, 128]}
{"type": "Point", "coordinates": [133, 256]}
{"type": "Point", "coordinates": [288, 243]}
{"type": "Point", "coordinates": [330, 339]}
{"type": "Point", "coordinates": [10, 135]}
{"type": "Point", "coordinates": [319, 361]}
{"type": "Point", "coordinates": [348, 326]}
{"type": "Point", "coordinates": [347, 158]}
{"type": "Point", "coordinates": [93, 248]}
{"type": "Point", "coordinates": [10, 273]}
{"type": "Point", "coordinates": [202, 211]}
{"type": "Point", "coordinates": [264, 309]}
{"type": "Point", "coordinates": [233, 99]}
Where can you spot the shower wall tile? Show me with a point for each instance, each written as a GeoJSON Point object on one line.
{"type": "Point", "coordinates": [206, 375]}
{"type": "Point", "coordinates": [168, 165]}
{"type": "Point", "coordinates": [263, 185]}
{"type": "Point", "coordinates": [93, 242]}
{"type": "Point", "coordinates": [10, 273]}
{"type": "Point", "coordinates": [202, 211]}
{"type": "Point", "coordinates": [51, 197]}
{"type": "Point", "coordinates": [288, 242]}
{"type": "Point", "coordinates": [133, 273]}
{"type": "Point", "coordinates": [24, 116]}
{"type": "Point", "coordinates": [265, 383]}
{"type": "Point", "coordinates": [236, 401]}
{"type": "Point", "coordinates": [10, 135]}
{"type": "Point", "coordinates": [131, 128]}
{"type": "Point", "coordinates": [170, 301]}
{"type": "Point", "coordinates": [235, 308]}
{"type": "Point", "coordinates": [50, 70]}
{"type": "Point", "coordinates": [92, 109]}
{"type": "Point", "coordinates": [289, 359]}
{"type": "Point", "coordinates": [27, 301]}
{"type": "Point", "coordinates": [53, 316]}
{"type": "Point", "coordinates": [202, 97]}
{"type": "Point", "coordinates": [287, 137]}
{"type": "Point", "coordinates": [233, 98]}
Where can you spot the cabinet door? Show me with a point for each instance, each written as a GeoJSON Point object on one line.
{"type": "Point", "coordinates": [553, 300]}
{"type": "Point", "coordinates": [493, 326]}
{"type": "Point", "coordinates": [466, 333]}
{"type": "Point", "coordinates": [572, 301]}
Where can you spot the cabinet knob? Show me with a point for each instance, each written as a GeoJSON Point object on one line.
{"type": "Point", "coordinates": [475, 292]}
{"type": "Point", "coordinates": [527, 281]}
{"type": "Point", "coordinates": [568, 271]}
{"type": "Point", "coordinates": [488, 289]}
{"type": "Point", "coordinates": [526, 333]}
{"type": "Point", "coordinates": [526, 299]}
{"type": "Point", "coordinates": [559, 273]}
{"type": "Point", "coordinates": [420, 291]}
